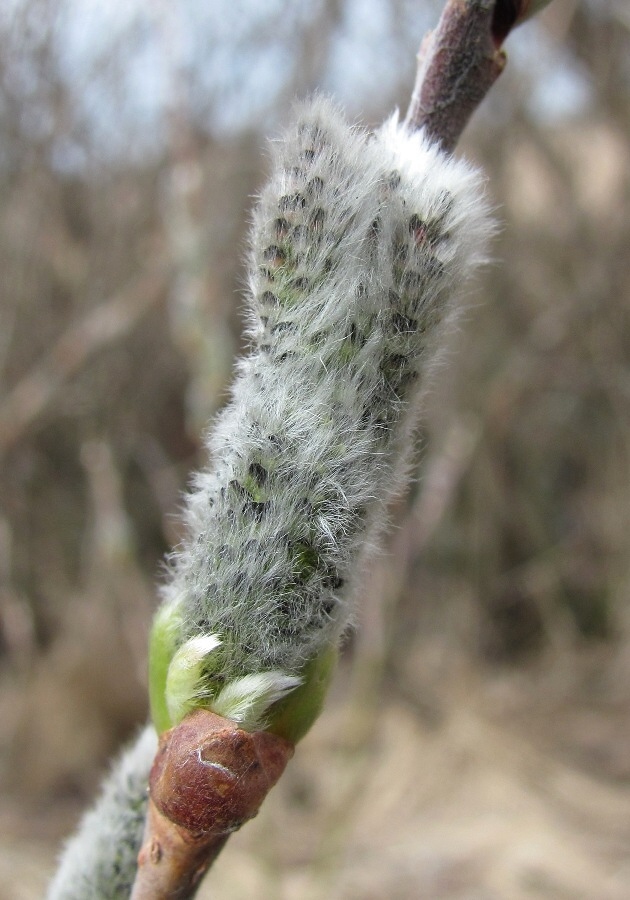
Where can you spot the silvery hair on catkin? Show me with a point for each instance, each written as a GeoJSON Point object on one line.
{"type": "Point", "coordinates": [360, 247]}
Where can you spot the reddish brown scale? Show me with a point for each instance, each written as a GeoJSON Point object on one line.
{"type": "Point", "coordinates": [208, 778]}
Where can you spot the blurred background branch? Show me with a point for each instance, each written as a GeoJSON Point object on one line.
{"type": "Point", "coordinates": [109, 322]}
{"type": "Point", "coordinates": [127, 163]}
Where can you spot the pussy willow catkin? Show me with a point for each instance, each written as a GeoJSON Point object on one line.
{"type": "Point", "coordinates": [360, 247]}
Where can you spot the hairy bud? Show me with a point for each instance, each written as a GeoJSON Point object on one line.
{"type": "Point", "coordinates": [360, 246]}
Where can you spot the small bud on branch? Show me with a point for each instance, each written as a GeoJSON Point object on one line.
{"type": "Point", "coordinates": [208, 778]}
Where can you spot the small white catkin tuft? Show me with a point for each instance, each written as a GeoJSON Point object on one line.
{"type": "Point", "coordinates": [99, 862]}
{"type": "Point", "coordinates": [360, 249]}
{"type": "Point", "coordinates": [246, 700]}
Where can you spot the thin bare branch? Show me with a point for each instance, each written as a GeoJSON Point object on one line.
{"type": "Point", "coordinates": [459, 62]}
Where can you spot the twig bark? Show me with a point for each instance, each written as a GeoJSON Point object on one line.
{"type": "Point", "coordinates": [458, 63]}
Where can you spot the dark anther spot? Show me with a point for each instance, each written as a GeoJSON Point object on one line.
{"type": "Point", "coordinates": [238, 582]}
{"type": "Point", "coordinates": [315, 186]}
{"type": "Point", "coordinates": [274, 255]}
{"type": "Point", "coordinates": [282, 326]}
{"type": "Point", "coordinates": [328, 606]}
{"type": "Point", "coordinates": [300, 284]}
{"type": "Point", "coordinates": [224, 551]}
{"type": "Point", "coordinates": [238, 488]}
{"type": "Point", "coordinates": [256, 509]}
{"type": "Point", "coordinates": [434, 267]}
{"type": "Point", "coordinates": [445, 201]}
{"type": "Point", "coordinates": [317, 219]}
{"type": "Point", "coordinates": [332, 580]}
{"type": "Point", "coordinates": [375, 228]}
{"type": "Point", "coordinates": [426, 232]}
{"type": "Point", "coordinates": [306, 505]}
{"type": "Point", "coordinates": [356, 338]}
{"type": "Point", "coordinates": [292, 202]}
{"type": "Point", "coordinates": [412, 281]}
{"type": "Point", "coordinates": [360, 514]}
{"type": "Point", "coordinates": [307, 155]}
{"type": "Point", "coordinates": [403, 324]}
{"type": "Point", "coordinates": [393, 368]}
{"type": "Point", "coordinates": [269, 298]}
{"type": "Point", "coordinates": [401, 253]}
{"type": "Point", "coordinates": [395, 361]}
{"type": "Point", "coordinates": [419, 229]}
{"type": "Point", "coordinates": [258, 473]}
{"type": "Point", "coordinates": [281, 227]}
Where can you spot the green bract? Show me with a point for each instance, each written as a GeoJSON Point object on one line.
{"type": "Point", "coordinates": [188, 679]}
{"type": "Point", "coordinates": [163, 643]}
{"type": "Point", "coordinates": [181, 679]}
{"type": "Point", "coordinates": [293, 716]}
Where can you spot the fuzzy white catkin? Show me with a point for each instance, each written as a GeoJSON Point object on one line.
{"type": "Point", "coordinates": [360, 249]}
{"type": "Point", "coordinates": [99, 862]}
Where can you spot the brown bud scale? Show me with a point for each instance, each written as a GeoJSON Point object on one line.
{"type": "Point", "coordinates": [208, 777]}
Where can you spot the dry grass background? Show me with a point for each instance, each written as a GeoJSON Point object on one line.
{"type": "Point", "coordinates": [477, 740]}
